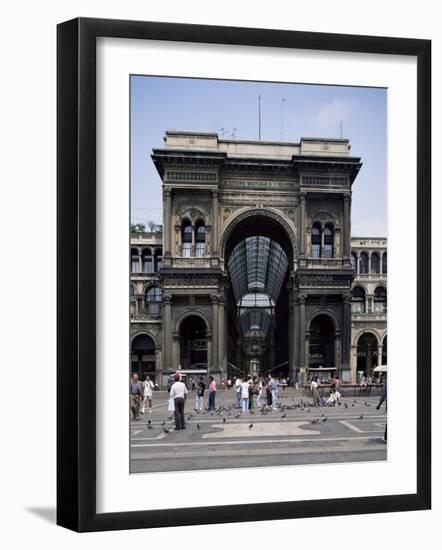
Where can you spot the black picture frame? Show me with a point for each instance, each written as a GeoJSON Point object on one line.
{"type": "Point", "coordinates": [76, 273]}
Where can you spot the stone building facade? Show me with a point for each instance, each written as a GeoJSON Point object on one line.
{"type": "Point", "coordinates": [369, 305]}
{"type": "Point", "coordinates": [254, 269]}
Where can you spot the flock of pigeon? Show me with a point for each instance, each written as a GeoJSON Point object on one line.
{"type": "Point", "coordinates": [225, 411]}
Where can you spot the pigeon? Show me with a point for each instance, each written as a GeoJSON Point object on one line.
{"type": "Point", "coordinates": [361, 417]}
{"type": "Point", "coordinates": [165, 430]}
{"type": "Point", "coordinates": [188, 418]}
{"type": "Point", "coordinates": [314, 421]}
{"type": "Point", "coordinates": [283, 415]}
{"type": "Point", "coordinates": [345, 405]}
{"type": "Point", "coordinates": [198, 427]}
{"type": "Point", "coordinates": [224, 419]}
{"type": "Point", "coordinates": [169, 417]}
{"type": "Point", "coordinates": [322, 414]}
{"type": "Point", "coordinates": [250, 425]}
{"type": "Point", "coordinates": [237, 415]}
{"type": "Point", "coordinates": [324, 419]}
{"type": "Point", "coordinates": [163, 422]}
{"type": "Point", "coordinates": [149, 425]}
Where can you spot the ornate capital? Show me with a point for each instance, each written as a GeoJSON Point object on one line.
{"type": "Point", "coordinates": [167, 299]}
{"type": "Point", "coordinates": [213, 298]}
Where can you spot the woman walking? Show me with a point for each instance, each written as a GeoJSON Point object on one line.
{"type": "Point", "coordinates": [148, 394]}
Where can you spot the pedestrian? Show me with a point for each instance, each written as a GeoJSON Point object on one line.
{"type": "Point", "coordinates": [223, 384]}
{"type": "Point", "coordinates": [259, 395]}
{"type": "Point", "coordinates": [244, 391]}
{"type": "Point", "coordinates": [136, 392]}
{"type": "Point", "coordinates": [383, 398]}
{"type": "Point", "coordinates": [178, 392]}
{"type": "Point", "coordinates": [268, 392]}
{"type": "Point", "coordinates": [238, 383]}
{"type": "Point", "coordinates": [212, 393]}
{"type": "Point", "coordinates": [199, 400]}
{"type": "Point", "coordinates": [148, 394]}
{"type": "Point", "coordinates": [193, 384]}
{"type": "Point", "coordinates": [229, 383]}
{"type": "Point", "coordinates": [273, 387]}
{"type": "Point", "coordinates": [314, 386]}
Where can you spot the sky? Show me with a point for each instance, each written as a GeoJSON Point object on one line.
{"type": "Point", "coordinates": [288, 112]}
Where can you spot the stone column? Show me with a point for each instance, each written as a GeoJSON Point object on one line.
{"type": "Point", "coordinates": [346, 337]}
{"type": "Point", "coordinates": [176, 349]}
{"type": "Point", "coordinates": [222, 353]}
{"type": "Point", "coordinates": [167, 333]}
{"type": "Point", "coordinates": [214, 224]}
{"type": "Point", "coordinates": [302, 332]}
{"type": "Point", "coordinates": [238, 358]}
{"type": "Point", "coordinates": [209, 353]}
{"type": "Point", "coordinates": [158, 369]}
{"type": "Point", "coordinates": [293, 334]}
{"type": "Point", "coordinates": [302, 223]}
{"type": "Point", "coordinates": [346, 237]}
{"type": "Point", "coordinates": [338, 352]}
{"type": "Point", "coordinates": [167, 217]}
{"type": "Point", "coordinates": [214, 302]}
{"type": "Point", "coordinates": [379, 355]}
{"type": "Point", "coordinates": [353, 363]}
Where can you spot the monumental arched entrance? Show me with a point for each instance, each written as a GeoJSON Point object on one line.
{"type": "Point", "coordinates": [258, 250]}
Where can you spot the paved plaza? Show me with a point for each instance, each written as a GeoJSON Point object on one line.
{"type": "Point", "coordinates": [292, 434]}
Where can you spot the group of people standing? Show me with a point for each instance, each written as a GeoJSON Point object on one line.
{"type": "Point", "coordinates": [255, 391]}
{"type": "Point", "coordinates": [141, 394]}
{"type": "Point", "coordinates": [200, 388]}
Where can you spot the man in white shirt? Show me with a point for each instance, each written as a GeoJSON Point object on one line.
{"type": "Point", "coordinates": [178, 392]}
{"type": "Point", "coordinates": [245, 396]}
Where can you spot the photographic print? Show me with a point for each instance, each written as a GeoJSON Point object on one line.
{"type": "Point", "coordinates": [258, 274]}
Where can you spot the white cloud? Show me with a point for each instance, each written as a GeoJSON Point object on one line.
{"type": "Point", "coordinates": [331, 114]}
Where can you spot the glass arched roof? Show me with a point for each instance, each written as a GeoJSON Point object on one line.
{"type": "Point", "coordinates": [257, 267]}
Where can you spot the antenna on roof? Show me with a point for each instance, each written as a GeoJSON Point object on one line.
{"type": "Point", "coordinates": [221, 132]}
{"type": "Point", "coordinates": [259, 117]}
{"type": "Point", "coordinates": [282, 119]}
{"type": "Point", "coordinates": [340, 127]}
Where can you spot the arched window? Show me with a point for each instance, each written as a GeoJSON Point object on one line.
{"type": "Point", "coordinates": [384, 263]}
{"type": "Point", "coordinates": [186, 238]}
{"type": "Point", "coordinates": [358, 300]}
{"type": "Point", "coordinates": [134, 261]}
{"type": "Point", "coordinates": [152, 299]}
{"type": "Point", "coordinates": [363, 263]}
{"type": "Point", "coordinates": [133, 301]}
{"type": "Point", "coordinates": [380, 300]}
{"type": "Point", "coordinates": [354, 262]}
{"type": "Point", "coordinates": [375, 264]}
{"type": "Point", "coordinates": [147, 261]}
{"type": "Point", "coordinates": [327, 251]}
{"type": "Point", "coordinates": [158, 258]}
{"type": "Point", "coordinates": [316, 240]}
{"type": "Point", "coordinates": [200, 239]}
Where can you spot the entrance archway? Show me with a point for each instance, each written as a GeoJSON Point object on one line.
{"type": "Point", "coordinates": [258, 250]}
{"type": "Point", "coordinates": [322, 345]}
{"type": "Point", "coordinates": [143, 356]}
{"type": "Point", "coordinates": [193, 343]}
{"type": "Point", "coordinates": [367, 353]}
